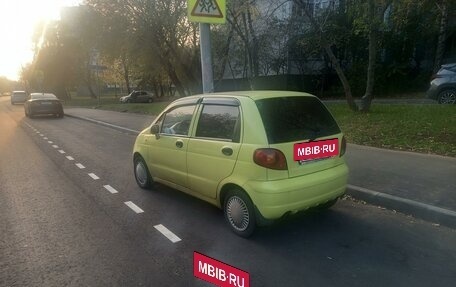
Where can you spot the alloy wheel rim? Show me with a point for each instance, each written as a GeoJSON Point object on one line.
{"type": "Point", "coordinates": [449, 97]}
{"type": "Point", "coordinates": [141, 174]}
{"type": "Point", "coordinates": [237, 213]}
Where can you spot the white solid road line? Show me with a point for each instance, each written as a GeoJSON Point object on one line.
{"type": "Point", "coordinates": [166, 232]}
{"type": "Point", "coordinates": [61, 151]}
{"type": "Point", "coordinates": [69, 157]}
{"type": "Point", "coordinates": [93, 176]}
{"type": "Point", "coordinates": [80, 165]}
{"type": "Point", "coordinates": [110, 189]}
{"type": "Point", "coordinates": [134, 207]}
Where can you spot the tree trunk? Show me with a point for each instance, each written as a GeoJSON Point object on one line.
{"type": "Point", "coordinates": [126, 73]}
{"type": "Point", "coordinates": [366, 100]}
{"type": "Point", "coordinates": [442, 35]}
{"type": "Point", "coordinates": [342, 77]}
{"type": "Point", "coordinates": [327, 47]}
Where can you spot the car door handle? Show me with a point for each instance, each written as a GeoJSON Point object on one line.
{"type": "Point", "coordinates": [179, 144]}
{"type": "Point", "coordinates": [227, 151]}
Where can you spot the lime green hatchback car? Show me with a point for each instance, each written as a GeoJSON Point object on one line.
{"type": "Point", "coordinates": [258, 155]}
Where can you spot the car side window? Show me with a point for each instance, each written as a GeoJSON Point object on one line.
{"type": "Point", "coordinates": [177, 121]}
{"type": "Point", "coordinates": [219, 122]}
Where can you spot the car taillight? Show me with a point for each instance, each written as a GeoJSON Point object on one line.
{"type": "Point", "coordinates": [343, 146]}
{"type": "Point", "coordinates": [270, 158]}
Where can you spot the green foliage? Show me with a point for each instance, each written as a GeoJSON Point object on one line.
{"type": "Point", "coordinates": [418, 128]}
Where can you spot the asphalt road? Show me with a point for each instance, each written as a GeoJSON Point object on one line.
{"type": "Point", "coordinates": [61, 225]}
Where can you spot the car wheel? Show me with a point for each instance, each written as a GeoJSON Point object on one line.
{"type": "Point", "coordinates": [447, 96]}
{"type": "Point", "coordinates": [149, 100]}
{"type": "Point", "coordinates": [239, 212]}
{"type": "Point", "coordinates": [142, 175]}
{"type": "Point", "coordinates": [127, 101]}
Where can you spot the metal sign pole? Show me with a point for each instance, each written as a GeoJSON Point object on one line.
{"type": "Point", "coordinates": [206, 57]}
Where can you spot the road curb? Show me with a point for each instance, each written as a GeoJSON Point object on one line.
{"type": "Point", "coordinates": [417, 209]}
{"type": "Point", "coordinates": [123, 129]}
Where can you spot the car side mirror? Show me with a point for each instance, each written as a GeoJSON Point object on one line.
{"type": "Point", "coordinates": [155, 129]}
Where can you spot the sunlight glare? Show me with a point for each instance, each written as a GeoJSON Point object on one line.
{"type": "Point", "coordinates": [19, 18]}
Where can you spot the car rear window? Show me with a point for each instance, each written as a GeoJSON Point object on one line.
{"type": "Point", "coordinates": [289, 119]}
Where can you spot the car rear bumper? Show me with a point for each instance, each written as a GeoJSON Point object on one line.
{"type": "Point", "coordinates": [273, 199]}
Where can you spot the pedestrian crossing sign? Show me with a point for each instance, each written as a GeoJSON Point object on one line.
{"type": "Point", "coordinates": [207, 11]}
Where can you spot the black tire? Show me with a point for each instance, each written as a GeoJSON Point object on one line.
{"type": "Point", "coordinates": [150, 100]}
{"type": "Point", "coordinates": [239, 212]}
{"type": "Point", "coordinates": [447, 96]}
{"type": "Point", "coordinates": [128, 101]}
{"type": "Point", "coordinates": [60, 115]}
{"type": "Point", "coordinates": [142, 175]}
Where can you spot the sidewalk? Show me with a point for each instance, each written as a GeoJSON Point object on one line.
{"type": "Point", "coordinates": [418, 184]}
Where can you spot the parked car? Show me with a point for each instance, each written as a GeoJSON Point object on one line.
{"type": "Point", "coordinates": [258, 155]}
{"type": "Point", "coordinates": [43, 104]}
{"type": "Point", "coordinates": [18, 97]}
{"type": "Point", "coordinates": [443, 85]}
{"type": "Point", "coordinates": [138, 97]}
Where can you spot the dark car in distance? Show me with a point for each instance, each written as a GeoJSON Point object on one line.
{"type": "Point", "coordinates": [138, 97]}
{"type": "Point", "coordinates": [43, 104]}
{"type": "Point", "coordinates": [443, 85]}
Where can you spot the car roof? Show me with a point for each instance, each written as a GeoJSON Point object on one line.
{"type": "Point", "coordinates": [255, 95]}
{"type": "Point", "coordinates": [43, 95]}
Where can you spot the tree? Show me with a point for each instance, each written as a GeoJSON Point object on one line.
{"type": "Point", "coordinates": [159, 36]}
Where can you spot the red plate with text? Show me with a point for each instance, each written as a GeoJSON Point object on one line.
{"type": "Point", "coordinates": [316, 149]}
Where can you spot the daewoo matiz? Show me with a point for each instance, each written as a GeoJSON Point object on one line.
{"type": "Point", "coordinates": [258, 155]}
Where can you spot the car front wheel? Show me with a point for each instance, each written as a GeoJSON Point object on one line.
{"type": "Point", "coordinates": [142, 175]}
{"type": "Point", "coordinates": [239, 213]}
{"type": "Point", "coordinates": [447, 96]}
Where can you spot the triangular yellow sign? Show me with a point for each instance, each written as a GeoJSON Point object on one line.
{"type": "Point", "coordinates": [207, 8]}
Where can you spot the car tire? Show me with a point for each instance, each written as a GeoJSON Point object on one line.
{"type": "Point", "coordinates": [142, 174]}
{"type": "Point", "coordinates": [239, 212]}
{"type": "Point", "coordinates": [447, 96]}
{"type": "Point", "coordinates": [149, 100]}
{"type": "Point", "coordinates": [128, 101]}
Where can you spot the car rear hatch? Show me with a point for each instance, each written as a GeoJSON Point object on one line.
{"type": "Point", "coordinates": [45, 105]}
{"type": "Point", "coordinates": [303, 129]}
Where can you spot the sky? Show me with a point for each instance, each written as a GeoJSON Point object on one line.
{"type": "Point", "coordinates": [18, 18]}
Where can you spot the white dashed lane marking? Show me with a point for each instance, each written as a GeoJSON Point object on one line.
{"type": "Point", "coordinates": [161, 228]}
{"type": "Point", "coordinates": [166, 232]}
{"type": "Point", "coordinates": [80, 166]}
{"type": "Point", "coordinates": [134, 207]}
{"type": "Point", "coordinates": [93, 176]}
{"type": "Point", "coordinates": [110, 189]}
